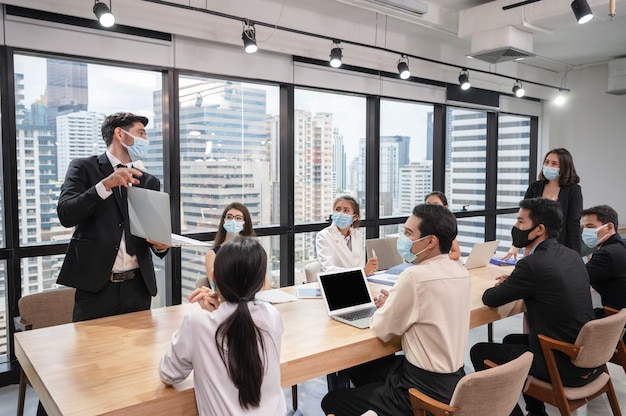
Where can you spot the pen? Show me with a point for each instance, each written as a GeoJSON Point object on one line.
{"type": "Point", "coordinates": [373, 253]}
{"type": "Point", "coordinates": [212, 284]}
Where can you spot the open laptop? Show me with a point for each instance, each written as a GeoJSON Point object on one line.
{"type": "Point", "coordinates": [481, 254]}
{"type": "Point", "coordinates": [347, 296]}
{"type": "Point", "coordinates": [149, 216]}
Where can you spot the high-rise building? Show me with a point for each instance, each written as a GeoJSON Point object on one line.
{"type": "Point", "coordinates": [67, 87]}
{"type": "Point", "coordinates": [339, 162]}
{"type": "Point", "coordinates": [415, 183]}
{"type": "Point", "coordinates": [78, 135]}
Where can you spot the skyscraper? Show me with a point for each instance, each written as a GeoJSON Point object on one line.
{"type": "Point", "coordinates": [67, 87]}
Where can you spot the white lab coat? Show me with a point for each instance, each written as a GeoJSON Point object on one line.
{"type": "Point", "coordinates": [333, 252]}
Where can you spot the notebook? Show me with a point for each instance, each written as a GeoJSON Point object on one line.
{"type": "Point", "coordinates": [347, 296]}
{"type": "Point", "coordinates": [481, 254]}
{"type": "Point", "coordinates": [149, 217]}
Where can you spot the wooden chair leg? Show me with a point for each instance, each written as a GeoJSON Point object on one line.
{"type": "Point", "coordinates": [21, 395]}
{"type": "Point", "coordinates": [613, 400]}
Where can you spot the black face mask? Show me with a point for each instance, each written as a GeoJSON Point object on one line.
{"type": "Point", "coordinates": [520, 237]}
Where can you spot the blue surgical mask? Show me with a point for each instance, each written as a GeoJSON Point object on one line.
{"type": "Point", "coordinates": [139, 149]}
{"type": "Point", "coordinates": [590, 236]}
{"type": "Point", "coordinates": [233, 227]}
{"type": "Point", "coordinates": [404, 245]}
{"type": "Point", "coordinates": [342, 220]}
{"type": "Point", "coordinates": [550, 173]}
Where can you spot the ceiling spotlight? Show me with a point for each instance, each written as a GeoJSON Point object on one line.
{"type": "Point", "coordinates": [518, 90]}
{"type": "Point", "coordinates": [403, 67]}
{"type": "Point", "coordinates": [582, 11]}
{"type": "Point", "coordinates": [249, 38]}
{"type": "Point", "coordinates": [335, 54]}
{"type": "Point", "coordinates": [104, 14]}
{"type": "Point", "coordinates": [560, 98]}
{"type": "Point", "coordinates": [464, 79]}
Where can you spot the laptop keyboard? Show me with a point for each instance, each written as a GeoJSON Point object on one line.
{"type": "Point", "coordinates": [356, 315]}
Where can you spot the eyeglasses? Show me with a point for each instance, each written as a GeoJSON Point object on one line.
{"type": "Point", "coordinates": [238, 218]}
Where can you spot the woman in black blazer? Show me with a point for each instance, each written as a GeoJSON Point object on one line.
{"type": "Point", "coordinates": [558, 181]}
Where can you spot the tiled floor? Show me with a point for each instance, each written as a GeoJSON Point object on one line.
{"type": "Point", "coordinates": [311, 392]}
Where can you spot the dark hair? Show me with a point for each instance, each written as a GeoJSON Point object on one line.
{"type": "Point", "coordinates": [567, 171]}
{"type": "Point", "coordinates": [247, 225]}
{"type": "Point", "coordinates": [440, 195]}
{"type": "Point", "coordinates": [544, 211]}
{"type": "Point", "coordinates": [240, 268]}
{"type": "Point", "coordinates": [437, 220]}
{"type": "Point", "coordinates": [355, 208]}
{"type": "Point", "coordinates": [123, 120]}
{"type": "Point", "coordinates": [604, 213]}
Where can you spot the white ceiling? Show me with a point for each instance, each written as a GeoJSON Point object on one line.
{"type": "Point", "coordinates": [559, 42]}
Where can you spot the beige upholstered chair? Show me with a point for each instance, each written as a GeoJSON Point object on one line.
{"type": "Point", "coordinates": [386, 251]}
{"type": "Point", "coordinates": [494, 392]}
{"type": "Point", "coordinates": [619, 357]}
{"type": "Point", "coordinates": [594, 346]}
{"type": "Point", "coordinates": [203, 281]}
{"type": "Point", "coordinates": [311, 270]}
{"type": "Point", "coordinates": [41, 310]}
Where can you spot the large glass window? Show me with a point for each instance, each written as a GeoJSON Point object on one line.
{"type": "Point", "coordinates": [60, 106]}
{"type": "Point", "coordinates": [229, 140]}
{"type": "Point", "coordinates": [3, 313]}
{"type": "Point", "coordinates": [466, 168]}
{"type": "Point", "coordinates": [329, 152]}
{"type": "Point", "coordinates": [406, 156]}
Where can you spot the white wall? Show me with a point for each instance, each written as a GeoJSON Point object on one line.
{"type": "Point", "coordinates": [592, 126]}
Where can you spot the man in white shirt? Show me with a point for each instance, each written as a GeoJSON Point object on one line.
{"type": "Point", "coordinates": [429, 308]}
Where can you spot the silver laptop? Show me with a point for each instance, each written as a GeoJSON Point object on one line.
{"type": "Point", "coordinates": [347, 296]}
{"type": "Point", "coordinates": [481, 254]}
{"type": "Point", "coordinates": [149, 217]}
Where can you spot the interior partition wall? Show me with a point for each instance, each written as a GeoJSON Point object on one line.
{"type": "Point", "coordinates": [285, 150]}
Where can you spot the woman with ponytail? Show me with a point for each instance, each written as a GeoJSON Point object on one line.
{"type": "Point", "coordinates": [231, 343]}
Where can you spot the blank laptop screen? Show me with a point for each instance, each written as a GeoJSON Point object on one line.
{"type": "Point", "coordinates": [345, 289]}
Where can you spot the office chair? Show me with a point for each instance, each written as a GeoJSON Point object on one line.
{"type": "Point", "coordinates": [202, 281]}
{"type": "Point", "coordinates": [41, 310]}
{"type": "Point", "coordinates": [594, 346]}
{"type": "Point", "coordinates": [619, 357]}
{"type": "Point", "coordinates": [494, 391]}
{"type": "Point", "coordinates": [386, 251]}
{"type": "Point", "coordinates": [311, 270]}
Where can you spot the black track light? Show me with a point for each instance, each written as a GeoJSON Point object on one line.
{"type": "Point", "coordinates": [582, 11]}
{"type": "Point", "coordinates": [249, 38]}
{"type": "Point", "coordinates": [336, 54]}
{"type": "Point", "coordinates": [518, 90]}
{"type": "Point", "coordinates": [403, 67]}
{"type": "Point", "coordinates": [464, 81]}
{"type": "Point", "coordinates": [199, 100]}
{"type": "Point", "coordinates": [104, 14]}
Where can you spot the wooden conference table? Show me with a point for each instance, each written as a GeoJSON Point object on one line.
{"type": "Point", "coordinates": [109, 365]}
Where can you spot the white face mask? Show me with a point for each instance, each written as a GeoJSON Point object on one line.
{"type": "Point", "coordinates": [139, 149]}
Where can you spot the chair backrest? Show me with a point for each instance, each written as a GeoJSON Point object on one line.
{"type": "Point", "coordinates": [311, 270]}
{"type": "Point", "coordinates": [598, 338]}
{"type": "Point", "coordinates": [54, 307]}
{"type": "Point", "coordinates": [494, 391]}
{"type": "Point", "coordinates": [386, 251]}
{"type": "Point", "coordinates": [202, 281]}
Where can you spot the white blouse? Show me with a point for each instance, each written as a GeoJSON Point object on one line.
{"type": "Point", "coordinates": [333, 252]}
{"type": "Point", "coordinates": [193, 347]}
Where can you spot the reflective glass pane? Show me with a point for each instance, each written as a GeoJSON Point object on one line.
{"type": "Point", "coordinates": [329, 153]}
{"type": "Point", "coordinates": [60, 106]}
{"type": "Point", "coordinates": [504, 223]}
{"type": "Point", "coordinates": [229, 140]}
{"type": "Point", "coordinates": [3, 313]}
{"type": "Point", "coordinates": [513, 159]}
{"type": "Point", "coordinates": [466, 164]}
{"type": "Point", "coordinates": [406, 156]}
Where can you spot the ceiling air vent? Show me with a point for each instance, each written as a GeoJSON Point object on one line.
{"type": "Point", "coordinates": [496, 56]}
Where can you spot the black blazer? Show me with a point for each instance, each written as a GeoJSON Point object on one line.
{"type": "Point", "coordinates": [607, 272]}
{"type": "Point", "coordinates": [554, 285]}
{"type": "Point", "coordinates": [99, 224]}
{"type": "Point", "coordinates": [571, 202]}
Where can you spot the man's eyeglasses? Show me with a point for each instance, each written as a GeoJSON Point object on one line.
{"type": "Point", "coordinates": [230, 217]}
